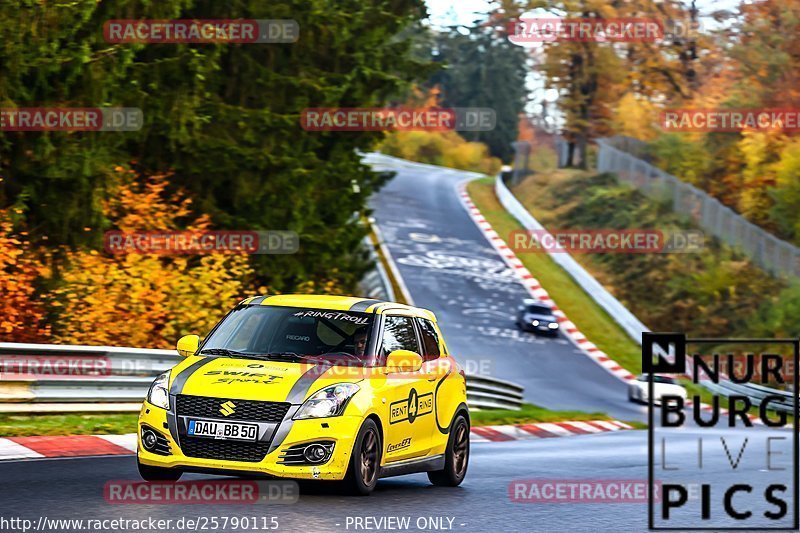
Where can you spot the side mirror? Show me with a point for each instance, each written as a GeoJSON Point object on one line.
{"type": "Point", "coordinates": [188, 344]}
{"type": "Point", "coordinates": [403, 361]}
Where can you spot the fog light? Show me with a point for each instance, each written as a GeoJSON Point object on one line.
{"type": "Point", "coordinates": [149, 439]}
{"type": "Point", "coordinates": [315, 453]}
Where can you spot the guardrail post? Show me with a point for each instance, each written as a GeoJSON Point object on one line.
{"type": "Point", "coordinates": [522, 153]}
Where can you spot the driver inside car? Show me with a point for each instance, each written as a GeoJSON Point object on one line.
{"type": "Point", "coordinates": [360, 341]}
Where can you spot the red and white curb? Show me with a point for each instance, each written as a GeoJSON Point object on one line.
{"type": "Point", "coordinates": [536, 290]}
{"type": "Point", "coordinates": [44, 447]}
{"type": "Point", "coordinates": [66, 446]}
{"type": "Point", "coordinates": [544, 430]}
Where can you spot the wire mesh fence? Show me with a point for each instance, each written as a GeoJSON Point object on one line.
{"type": "Point", "coordinates": [765, 250]}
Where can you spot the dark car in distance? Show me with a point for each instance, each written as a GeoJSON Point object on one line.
{"type": "Point", "coordinates": [537, 317]}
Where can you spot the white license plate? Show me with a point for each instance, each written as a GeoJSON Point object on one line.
{"type": "Point", "coordinates": [223, 430]}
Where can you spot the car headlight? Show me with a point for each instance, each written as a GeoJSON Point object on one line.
{"type": "Point", "coordinates": [329, 401]}
{"type": "Point", "coordinates": [535, 322]}
{"type": "Point", "coordinates": [158, 394]}
{"type": "Point", "coordinates": [553, 325]}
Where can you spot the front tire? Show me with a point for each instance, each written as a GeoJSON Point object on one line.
{"type": "Point", "coordinates": [156, 473]}
{"type": "Point", "coordinates": [365, 461]}
{"type": "Point", "coordinates": [456, 458]}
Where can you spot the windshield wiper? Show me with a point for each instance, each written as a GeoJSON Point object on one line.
{"type": "Point", "coordinates": [273, 356]}
{"type": "Point", "coordinates": [227, 353]}
{"type": "Point", "coordinates": [285, 356]}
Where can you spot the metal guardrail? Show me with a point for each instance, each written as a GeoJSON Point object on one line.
{"type": "Point", "coordinates": [774, 255]}
{"type": "Point", "coordinates": [121, 376]}
{"type": "Point", "coordinates": [485, 392]}
{"type": "Point", "coordinates": [756, 393]}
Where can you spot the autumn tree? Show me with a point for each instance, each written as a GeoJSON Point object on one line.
{"type": "Point", "coordinates": [22, 312]}
{"type": "Point", "coordinates": [482, 68]}
{"type": "Point", "coordinates": [223, 119]}
{"type": "Point", "coordinates": [145, 300]}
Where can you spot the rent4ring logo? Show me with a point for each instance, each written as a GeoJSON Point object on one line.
{"type": "Point", "coordinates": [723, 457]}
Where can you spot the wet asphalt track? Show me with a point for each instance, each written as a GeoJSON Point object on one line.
{"type": "Point", "coordinates": [451, 269]}
{"type": "Point", "coordinates": [73, 488]}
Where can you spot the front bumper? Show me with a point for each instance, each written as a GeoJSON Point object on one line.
{"type": "Point", "coordinates": [340, 430]}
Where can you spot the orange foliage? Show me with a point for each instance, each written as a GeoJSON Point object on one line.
{"type": "Point", "coordinates": [526, 131]}
{"type": "Point", "coordinates": [21, 313]}
{"type": "Point", "coordinates": [141, 300]}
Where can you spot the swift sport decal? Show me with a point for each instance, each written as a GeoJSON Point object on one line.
{"type": "Point", "coordinates": [235, 376]}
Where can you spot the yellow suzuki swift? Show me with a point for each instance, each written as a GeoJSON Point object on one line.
{"type": "Point", "coordinates": [311, 387]}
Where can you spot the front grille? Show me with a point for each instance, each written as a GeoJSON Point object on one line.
{"type": "Point", "coordinates": [228, 450]}
{"type": "Point", "coordinates": [243, 411]}
{"type": "Point", "coordinates": [247, 410]}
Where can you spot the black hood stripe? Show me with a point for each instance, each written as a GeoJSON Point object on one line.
{"type": "Point", "coordinates": [180, 380]}
{"type": "Point", "coordinates": [363, 305]}
{"type": "Point", "coordinates": [177, 387]}
{"type": "Point", "coordinates": [295, 397]}
{"type": "Point", "coordinates": [304, 383]}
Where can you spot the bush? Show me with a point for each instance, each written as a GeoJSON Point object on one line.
{"type": "Point", "coordinates": [447, 149]}
{"type": "Point", "coordinates": [714, 292]}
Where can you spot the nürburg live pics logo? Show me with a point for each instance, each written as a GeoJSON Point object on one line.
{"type": "Point", "coordinates": [725, 456]}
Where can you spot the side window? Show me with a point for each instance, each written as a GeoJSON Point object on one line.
{"type": "Point", "coordinates": [430, 340]}
{"type": "Point", "coordinates": [398, 334]}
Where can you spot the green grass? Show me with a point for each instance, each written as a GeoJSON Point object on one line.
{"type": "Point", "coordinates": [67, 424]}
{"type": "Point", "coordinates": [116, 424]}
{"type": "Point", "coordinates": [531, 414]}
{"type": "Point", "coordinates": [588, 316]}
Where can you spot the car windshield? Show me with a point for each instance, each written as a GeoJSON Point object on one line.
{"type": "Point", "coordinates": [539, 310]}
{"type": "Point", "coordinates": [293, 334]}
